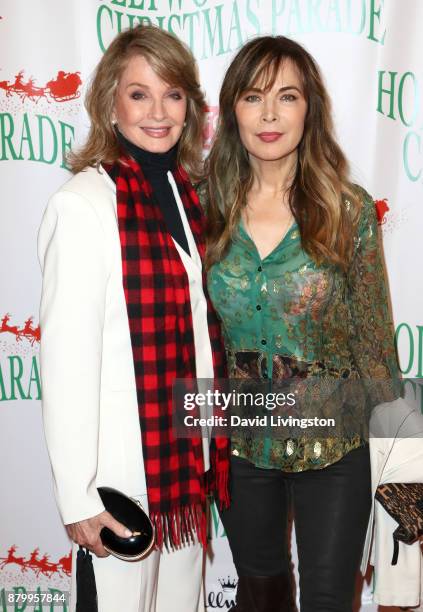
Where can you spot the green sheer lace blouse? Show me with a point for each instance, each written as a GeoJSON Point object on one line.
{"type": "Point", "coordinates": [285, 314]}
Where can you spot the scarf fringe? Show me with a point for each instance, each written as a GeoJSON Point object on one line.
{"type": "Point", "coordinates": [222, 488]}
{"type": "Point", "coordinates": [180, 526]}
{"type": "Point", "coordinates": [217, 485]}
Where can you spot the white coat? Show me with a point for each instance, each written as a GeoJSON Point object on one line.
{"type": "Point", "coordinates": [396, 455]}
{"type": "Point", "coordinates": [89, 398]}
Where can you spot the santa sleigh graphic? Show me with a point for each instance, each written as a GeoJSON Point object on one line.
{"type": "Point", "coordinates": [63, 88]}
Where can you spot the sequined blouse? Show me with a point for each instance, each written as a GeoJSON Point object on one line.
{"type": "Point", "coordinates": [284, 316]}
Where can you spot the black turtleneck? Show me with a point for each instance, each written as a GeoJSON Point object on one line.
{"type": "Point", "coordinates": [155, 167]}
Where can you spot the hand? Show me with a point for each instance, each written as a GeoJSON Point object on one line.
{"type": "Point", "coordinates": [87, 532]}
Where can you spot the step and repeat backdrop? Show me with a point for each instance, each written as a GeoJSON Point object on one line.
{"type": "Point", "coordinates": [371, 54]}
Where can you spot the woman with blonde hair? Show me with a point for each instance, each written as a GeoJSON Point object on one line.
{"type": "Point", "coordinates": [295, 273]}
{"type": "Point", "coordinates": [123, 313]}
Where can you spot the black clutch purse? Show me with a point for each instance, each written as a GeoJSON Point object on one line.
{"type": "Point", "coordinates": [130, 513]}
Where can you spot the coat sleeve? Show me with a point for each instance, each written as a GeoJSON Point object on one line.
{"type": "Point", "coordinates": [71, 251]}
{"type": "Point", "coordinates": [371, 326]}
{"type": "Point", "coordinates": [398, 585]}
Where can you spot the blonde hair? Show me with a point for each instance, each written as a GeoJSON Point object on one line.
{"type": "Point", "coordinates": [320, 186]}
{"type": "Point", "coordinates": [174, 63]}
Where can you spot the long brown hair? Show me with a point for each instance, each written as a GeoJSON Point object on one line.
{"type": "Point", "coordinates": [174, 63]}
{"type": "Point", "coordinates": [317, 196]}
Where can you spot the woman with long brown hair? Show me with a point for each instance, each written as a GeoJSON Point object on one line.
{"type": "Point", "coordinates": [123, 313]}
{"type": "Point", "coordinates": [295, 273]}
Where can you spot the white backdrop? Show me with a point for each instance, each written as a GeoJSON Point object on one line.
{"type": "Point", "coordinates": [371, 54]}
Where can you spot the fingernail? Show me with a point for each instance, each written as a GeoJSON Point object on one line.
{"type": "Point", "coordinates": [128, 533]}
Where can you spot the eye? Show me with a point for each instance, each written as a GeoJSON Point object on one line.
{"type": "Point", "coordinates": [252, 98]}
{"type": "Point", "coordinates": [288, 97]}
{"type": "Point", "coordinates": [138, 95]}
{"type": "Point", "coordinates": [176, 95]}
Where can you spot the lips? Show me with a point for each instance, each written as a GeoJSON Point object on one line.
{"type": "Point", "coordinates": [161, 132]}
{"type": "Point", "coordinates": [269, 136]}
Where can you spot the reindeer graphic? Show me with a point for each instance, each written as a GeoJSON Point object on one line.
{"type": "Point", "coordinates": [36, 564]}
{"type": "Point", "coordinates": [7, 88]}
{"type": "Point", "coordinates": [43, 566]}
{"type": "Point", "coordinates": [26, 90]}
{"type": "Point", "coordinates": [33, 334]}
{"type": "Point", "coordinates": [12, 329]}
{"type": "Point", "coordinates": [12, 559]}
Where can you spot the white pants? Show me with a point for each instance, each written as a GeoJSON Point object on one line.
{"type": "Point", "coordinates": [162, 582]}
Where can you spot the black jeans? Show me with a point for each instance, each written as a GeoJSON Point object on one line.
{"type": "Point", "coordinates": [331, 509]}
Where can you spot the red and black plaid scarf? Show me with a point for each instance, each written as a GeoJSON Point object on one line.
{"type": "Point", "coordinates": [160, 321]}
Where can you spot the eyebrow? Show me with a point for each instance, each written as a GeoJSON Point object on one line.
{"type": "Point", "coordinates": [147, 87]}
{"type": "Point", "coordinates": [282, 89]}
{"type": "Point", "coordinates": [138, 85]}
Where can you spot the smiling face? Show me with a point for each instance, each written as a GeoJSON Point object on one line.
{"type": "Point", "coordinates": [271, 122]}
{"type": "Point", "coordinates": [149, 112]}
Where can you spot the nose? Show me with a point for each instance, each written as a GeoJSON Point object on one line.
{"type": "Point", "coordinates": [269, 113]}
{"type": "Point", "coordinates": [157, 110]}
